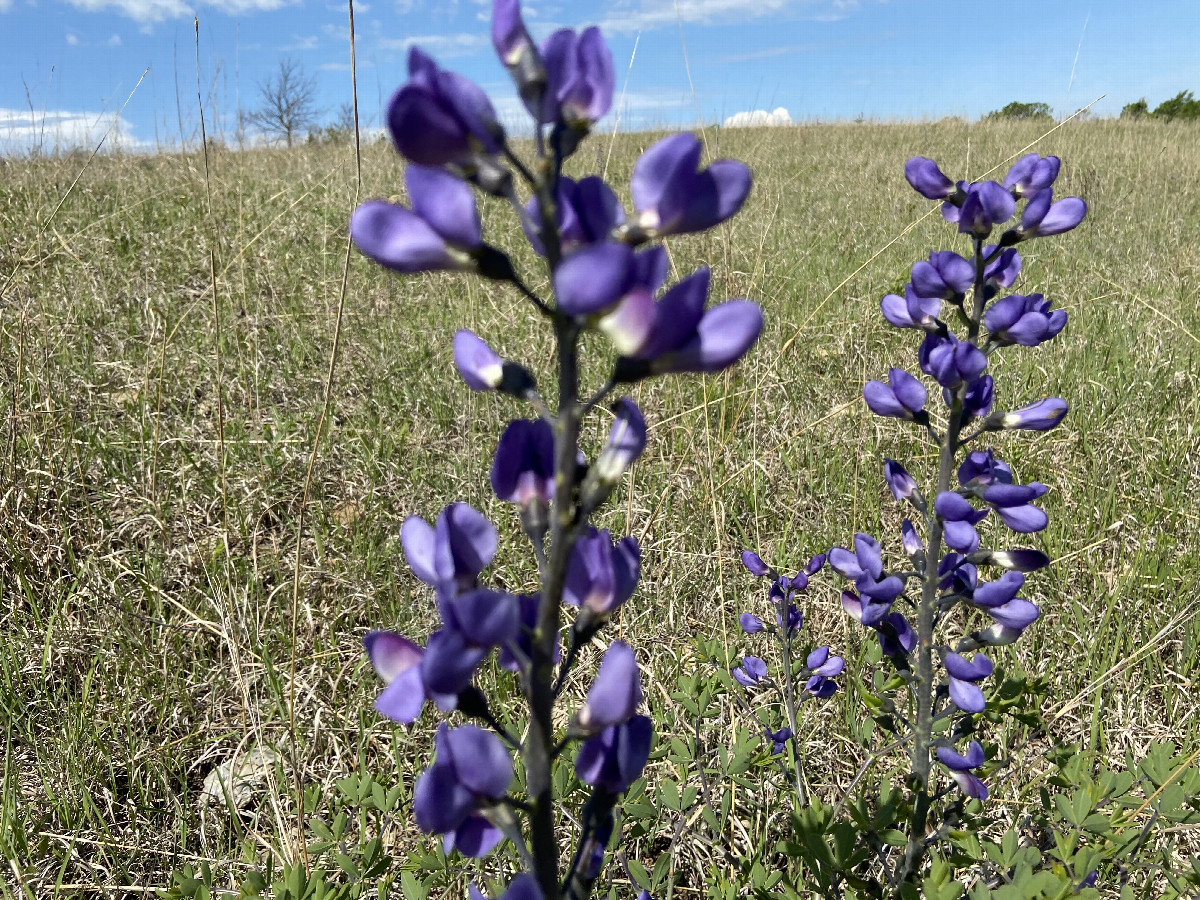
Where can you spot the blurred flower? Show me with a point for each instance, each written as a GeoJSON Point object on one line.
{"type": "Point", "coordinates": [778, 739]}
{"type": "Point", "coordinates": [616, 692]}
{"type": "Point", "coordinates": [951, 361]}
{"type": "Point", "coordinates": [579, 75]}
{"type": "Point", "coordinates": [1043, 218]}
{"type": "Point", "coordinates": [614, 758]}
{"type": "Point", "coordinates": [1031, 174]}
{"type": "Point", "coordinates": [449, 555]}
{"type": "Point", "coordinates": [903, 485]}
{"type": "Point", "coordinates": [927, 179]}
{"type": "Point", "coordinates": [1042, 415]}
{"type": "Point", "coordinates": [471, 770]}
{"type": "Point", "coordinates": [523, 467]}
{"type": "Point", "coordinates": [626, 441]}
{"type": "Point", "coordinates": [751, 624]}
{"type": "Point", "coordinates": [587, 211]}
{"type": "Point", "coordinates": [601, 574]}
{"type": "Point", "coordinates": [673, 195]}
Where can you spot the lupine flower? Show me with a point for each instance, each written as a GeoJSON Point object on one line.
{"type": "Point", "coordinates": [397, 661]}
{"type": "Point", "coordinates": [614, 758]}
{"type": "Point", "coordinates": [476, 622]}
{"type": "Point", "coordinates": [587, 212]}
{"type": "Point", "coordinates": [1024, 320]}
{"type": "Point", "coordinates": [950, 361]}
{"type": "Point", "coordinates": [677, 334]}
{"type": "Point", "coordinates": [754, 564]}
{"type": "Point", "coordinates": [471, 770]}
{"type": "Point", "coordinates": [927, 179]}
{"type": "Point", "coordinates": [751, 672]}
{"type": "Point", "coordinates": [778, 739]}
{"type": "Point", "coordinates": [601, 575]}
{"type": "Point", "coordinates": [964, 678]}
{"type": "Point", "coordinates": [1001, 271]}
{"type": "Point", "coordinates": [1013, 503]}
{"type": "Point", "coordinates": [1019, 560]}
{"type": "Point", "coordinates": [523, 467]}
{"type": "Point", "coordinates": [1042, 415]}
{"type": "Point", "coordinates": [959, 519]}
{"type": "Point", "coordinates": [989, 594]}
{"type": "Point", "coordinates": [517, 52]}
{"type": "Point", "coordinates": [903, 485]}
{"type": "Point", "coordinates": [1043, 218]}
{"type": "Point", "coordinates": [865, 567]}
{"type": "Point", "coordinates": [903, 397]}
{"type": "Point", "coordinates": [449, 555]}
{"type": "Point", "coordinates": [579, 75]}
{"type": "Point", "coordinates": [441, 231]}
{"type": "Point", "coordinates": [960, 769]}
{"type": "Point", "coordinates": [522, 887]}
{"type": "Point", "coordinates": [823, 668]}
{"type": "Point", "coordinates": [616, 692]}
{"type": "Point", "coordinates": [911, 310]}
{"type": "Point", "coordinates": [626, 441]}
{"type": "Point", "coordinates": [987, 205]}
{"type": "Point", "coordinates": [515, 654]}
{"type": "Point", "coordinates": [896, 637]}
{"type": "Point", "coordinates": [478, 364]}
{"type": "Point", "coordinates": [981, 467]}
{"type": "Point", "coordinates": [751, 624]}
{"type": "Point", "coordinates": [441, 118]}
{"type": "Point", "coordinates": [911, 540]}
{"type": "Point", "coordinates": [673, 196]}
{"type": "Point", "coordinates": [1031, 174]}
{"type": "Point", "coordinates": [792, 621]}
{"type": "Point", "coordinates": [977, 398]}
{"type": "Point", "coordinates": [593, 278]}
{"type": "Point", "coordinates": [946, 276]}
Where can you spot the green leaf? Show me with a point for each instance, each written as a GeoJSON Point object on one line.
{"type": "Point", "coordinates": [639, 874]}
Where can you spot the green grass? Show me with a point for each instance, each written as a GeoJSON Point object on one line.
{"type": "Point", "coordinates": [148, 627]}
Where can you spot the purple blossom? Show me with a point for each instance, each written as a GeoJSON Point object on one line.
{"type": "Point", "coordinates": [471, 770]}
{"type": "Point", "coordinates": [1031, 174]}
{"type": "Point", "coordinates": [778, 739]}
{"type": "Point", "coordinates": [896, 638]}
{"type": "Point", "coordinates": [1013, 503]}
{"type": "Point", "coordinates": [903, 397]}
{"type": "Point", "coordinates": [523, 887]}
{"type": "Point", "coordinates": [987, 205]}
{"type": "Point", "coordinates": [1025, 320]}
{"type": "Point", "coordinates": [616, 692]}
{"type": "Point", "coordinates": [601, 574]}
{"type": "Point", "coordinates": [673, 195]}
{"type": "Point", "coordinates": [579, 76]}
{"type": "Point", "coordinates": [515, 655]}
{"type": "Point", "coordinates": [960, 769]}
{"type": "Point", "coordinates": [587, 210]}
{"type": "Point", "coordinates": [978, 398]}
{"type": "Point", "coordinates": [523, 467]}
{"type": "Point", "coordinates": [903, 485]}
{"type": "Point", "coordinates": [964, 678]}
{"type": "Point", "coordinates": [927, 179]}
{"type": "Point", "coordinates": [754, 564]}
{"type": "Point", "coordinates": [450, 554]}
{"type": "Point", "coordinates": [751, 672]}
{"type": "Point", "coordinates": [676, 333]}
{"type": "Point", "coordinates": [751, 624]}
{"type": "Point", "coordinates": [981, 467]}
{"type": "Point", "coordinates": [594, 278]}
{"type": "Point", "coordinates": [441, 231]}
{"type": "Point", "coordinates": [626, 441]}
{"type": "Point", "coordinates": [1042, 415]}
{"type": "Point", "coordinates": [911, 540]}
{"type": "Point", "coordinates": [823, 668]}
{"type": "Point", "coordinates": [397, 661]}
{"type": "Point", "coordinates": [865, 566]}
{"type": "Point", "coordinates": [1042, 217]}
{"type": "Point", "coordinates": [441, 118]}
{"type": "Point", "coordinates": [911, 310]}
{"type": "Point", "coordinates": [478, 364]}
{"type": "Point", "coordinates": [614, 758]}
{"type": "Point", "coordinates": [1019, 560]}
{"type": "Point", "coordinates": [959, 519]}
{"type": "Point", "coordinates": [946, 276]}
{"type": "Point", "coordinates": [1003, 270]}
{"type": "Point", "coordinates": [951, 361]}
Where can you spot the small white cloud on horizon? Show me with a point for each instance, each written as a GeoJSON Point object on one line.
{"type": "Point", "coordinates": [114, 41]}
{"type": "Point", "coordinates": [305, 42]}
{"type": "Point", "coordinates": [62, 130]}
{"type": "Point", "coordinates": [72, 40]}
{"type": "Point", "coordinates": [651, 14]}
{"type": "Point", "coordinates": [759, 118]}
{"type": "Point", "coordinates": [441, 46]}
{"type": "Point", "coordinates": [149, 12]}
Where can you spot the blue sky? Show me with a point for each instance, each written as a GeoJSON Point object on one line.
{"type": "Point", "coordinates": [75, 63]}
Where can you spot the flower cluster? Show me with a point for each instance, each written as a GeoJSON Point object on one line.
{"type": "Point", "coordinates": [609, 276]}
{"type": "Point", "coordinates": [942, 542]}
{"type": "Point", "coordinates": [820, 668]}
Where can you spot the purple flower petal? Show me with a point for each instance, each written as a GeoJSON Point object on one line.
{"type": "Point", "coordinates": [593, 278]}
{"type": "Point", "coordinates": [616, 692]}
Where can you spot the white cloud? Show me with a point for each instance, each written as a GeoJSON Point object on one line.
{"type": "Point", "coordinates": [150, 11]}
{"type": "Point", "coordinates": [5, 5]}
{"type": "Point", "coordinates": [441, 46]}
{"type": "Point", "coordinates": [652, 14]}
{"type": "Point", "coordinates": [61, 130]}
{"type": "Point", "coordinates": [114, 41]}
{"type": "Point", "coordinates": [72, 40]}
{"type": "Point", "coordinates": [758, 118]}
{"type": "Point", "coordinates": [305, 42]}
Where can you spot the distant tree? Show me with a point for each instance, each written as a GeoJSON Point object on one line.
{"type": "Point", "coordinates": [1018, 110]}
{"type": "Point", "coordinates": [1139, 109]}
{"type": "Point", "coordinates": [288, 102]}
{"type": "Point", "coordinates": [1182, 106]}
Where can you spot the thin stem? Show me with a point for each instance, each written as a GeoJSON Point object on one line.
{"type": "Point", "coordinates": [789, 703]}
{"type": "Point", "coordinates": [594, 400]}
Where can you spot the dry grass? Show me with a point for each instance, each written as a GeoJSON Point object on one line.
{"type": "Point", "coordinates": [146, 619]}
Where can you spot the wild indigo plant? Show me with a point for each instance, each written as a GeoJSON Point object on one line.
{"type": "Point", "coordinates": [936, 618]}
{"type": "Point", "coordinates": [605, 276]}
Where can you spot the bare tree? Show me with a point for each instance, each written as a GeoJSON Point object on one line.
{"type": "Point", "coordinates": [288, 102]}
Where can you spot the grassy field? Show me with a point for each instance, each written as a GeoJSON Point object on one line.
{"type": "Point", "coordinates": [171, 599]}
